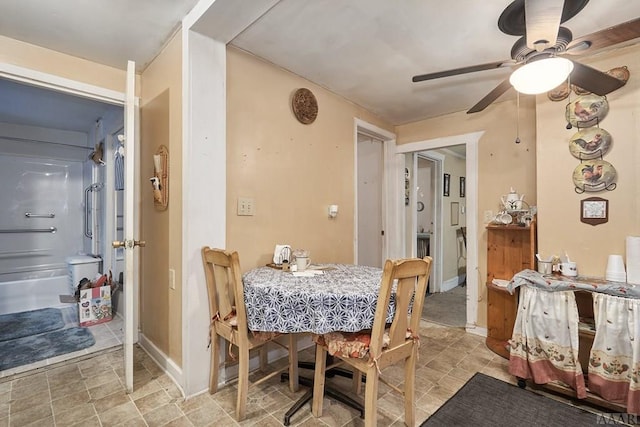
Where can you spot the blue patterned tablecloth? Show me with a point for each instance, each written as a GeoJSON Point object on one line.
{"type": "Point", "coordinates": [343, 298]}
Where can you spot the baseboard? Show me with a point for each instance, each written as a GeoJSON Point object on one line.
{"type": "Point", "coordinates": [168, 366]}
{"type": "Point", "coordinates": [447, 285]}
{"type": "Point", "coordinates": [475, 330]}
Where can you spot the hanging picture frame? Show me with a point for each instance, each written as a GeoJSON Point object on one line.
{"type": "Point", "coordinates": [447, 185]}
{"type": "Point", "coordinates": [594, 210]}
{"type": "Point", "coordinates": [462, 186]}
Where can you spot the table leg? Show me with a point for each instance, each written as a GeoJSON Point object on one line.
{"type": "Point", "coordinates": [328, 390]}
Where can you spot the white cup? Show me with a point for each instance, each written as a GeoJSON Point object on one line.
{"type": "Point", "coordinates": [615, 264]}
{"type": "Point", "coordinates": [504, 218]}
{"type": "Point", "coordinates": [544, 267]}
{"type": "Point", "coordinates": [302, 262]}
{"type": "Point", "coordinates": [569, 269]}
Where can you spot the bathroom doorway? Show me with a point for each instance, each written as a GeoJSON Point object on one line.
{"type": "Point", "coordinates": [55, 148]}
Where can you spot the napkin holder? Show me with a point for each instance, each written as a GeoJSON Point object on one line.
{"type": "Point", "coordinates": [281, 253]}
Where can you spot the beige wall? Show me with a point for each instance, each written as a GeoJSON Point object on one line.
{"type": "Point", "coordinates": [292, 171]}
{"type": "Point", "coordinates": [502, 163]}
{"type": "Point", "coordinates": [59, 64]}
{"type": "Point", "coordinates": [559, 223]}
{"type": "Point", "coordinates": [161, 123]}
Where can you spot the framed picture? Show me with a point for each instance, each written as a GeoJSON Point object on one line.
{"type": "Point", "coordinates": [594, 210]}
{"type": "Point", "coordinates": [447, 184]}
{"type": "Point", "coordinates": [455, 208]}
{"type": "Point", "coordinates": [462, 186]}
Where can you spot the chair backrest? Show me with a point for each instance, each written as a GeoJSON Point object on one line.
{"type": "Point", "coordinates": [224, 284]}
{"type": "Point", "coordinates": [408, 277]}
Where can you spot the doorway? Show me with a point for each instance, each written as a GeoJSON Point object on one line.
{"type": "Point", "coordinates": [450, 210]}
{"type": "Point", "coordinates": [370, 185]}
{"type": "Point", "coordinates": [441, 218]}
{"type": "Point", "coordinates": [54, 127]}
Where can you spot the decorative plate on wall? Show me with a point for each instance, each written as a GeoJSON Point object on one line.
{"type": "Point", "coordinates": [305, 106]}
{"type": "Point", "coordinates": [590, 143]}
{"type": "Point", "coordinates": [559, 93]}
{"type": "Point", "coordinates": [587, 110]}
{"type": "Point", "coordinates": [620, 73]}
{"type": "Point", "coordinates": [594, 175]}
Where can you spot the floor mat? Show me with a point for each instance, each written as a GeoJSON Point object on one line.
{"type": "Point", "coordinates": [25, 350]}
{"type": "Point", "coordinates": [486, 401]}
{"type": "Point", "coordinates": [26, 323]}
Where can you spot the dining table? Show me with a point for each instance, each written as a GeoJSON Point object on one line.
{"type": "Point", "coordinates": [324, 298]}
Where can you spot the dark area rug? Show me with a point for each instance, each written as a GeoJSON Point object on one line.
{"type": "Point", "coordinates": [26, 323]}
{"type": "Point", "coordinates": [25, 350]}
{"type": "Point", "coordinates": [486, 401]}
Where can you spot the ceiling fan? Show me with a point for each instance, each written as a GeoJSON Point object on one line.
{"type": "Point", "coordinates": [537, 22]}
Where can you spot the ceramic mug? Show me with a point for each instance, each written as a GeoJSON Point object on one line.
{"type": "Point", "coordinates": [544, 267]}
{"type": "Point", "coordinates": [302, 262]}
{"type": "Point", "coordinates": [504, 218]}
{"type": "Point", "coordinates": [569, 269]}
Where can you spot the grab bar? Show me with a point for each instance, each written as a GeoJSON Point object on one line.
{"type": "Point", "coordinates": [34, 215]}
{"type": "Point", "coordinates": [30, 230]}
{"type": "Point", "coordinates": [87, 208]}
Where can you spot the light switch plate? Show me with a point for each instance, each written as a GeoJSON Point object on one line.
{"type": "Point", "coordinates": [245, 206]}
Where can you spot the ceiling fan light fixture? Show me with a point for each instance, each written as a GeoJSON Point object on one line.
{"type": "Point", "coordinates": [541, 76]}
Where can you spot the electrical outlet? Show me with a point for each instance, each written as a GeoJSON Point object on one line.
{"type": "Point", "coordinates": [172, 278]}
{"type": "Point", "coordinates": [245, 206]}
{"type": "Point", "coordinates": [488, 217]}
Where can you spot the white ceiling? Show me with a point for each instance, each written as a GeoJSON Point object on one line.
{"type": "Point", "coordinates": [364, 50]}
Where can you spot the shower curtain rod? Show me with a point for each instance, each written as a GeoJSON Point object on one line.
{"type": "Point", "coordinates": [13, 138]}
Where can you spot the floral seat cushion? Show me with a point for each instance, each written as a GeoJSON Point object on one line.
{"type": "Point", "coordinates": [351, 344]}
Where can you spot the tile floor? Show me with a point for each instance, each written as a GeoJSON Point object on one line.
{"type": "Point", "coordinates": [89, 391]}
{"type": "Point", "coordinates": [107, 335]}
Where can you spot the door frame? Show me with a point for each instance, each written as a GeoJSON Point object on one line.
{"type": "Point", "coordinates": [85, 90]}
{"type": "Point", "coordinates": [388, 142]}
{"type": "Point", "coordinates": [470, 140]}
{"type": "Point", "coordinates": [437, 248]}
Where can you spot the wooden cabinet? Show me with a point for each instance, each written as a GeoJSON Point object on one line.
{"type": "Point", "coordinates": [510, 249]}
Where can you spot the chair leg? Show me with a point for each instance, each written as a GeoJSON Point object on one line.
{"type": "Point", "coordinates": [264, 357]}
{"type": "Point", "coordinates": [214, 364]}
{"type": "Point", "coordinates": [243, 383]}
{"type": "Point", "coordinates": [318, 381]}
{"type": "Point", "coordinates": [293, 362]}
{"type": "Point", "coordinates": [410, 388]}
{"type": "Point", "coordinates": [357, 382]}
{"type": "Point", "coordinates": [371, 398]}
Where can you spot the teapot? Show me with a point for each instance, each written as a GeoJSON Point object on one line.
{"type": "Point", "coordinates": [512, 201]}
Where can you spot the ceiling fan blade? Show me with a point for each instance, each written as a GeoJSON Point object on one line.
{"type": "Point", "coordinates": [543, 21]}
{"type": "Point", "coordinates": [593, 80]}
{"type": "Point", "coordinates": [608, 37]}
{"type": "Point", "coordinates": [490, 97]}
{"type": "Point", "coordinates": [462, 70]}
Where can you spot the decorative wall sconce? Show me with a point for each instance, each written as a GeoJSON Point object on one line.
{"type": "Point", "coordinates": [160, 179]}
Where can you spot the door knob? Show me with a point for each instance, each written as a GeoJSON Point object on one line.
{"type": "Point", "coordinates": [128, 243]}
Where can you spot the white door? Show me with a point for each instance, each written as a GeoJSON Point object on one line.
{"type": "Point", "coordinates": [130, 225]}
{"type": "Point", "coordinates": [370, 182]}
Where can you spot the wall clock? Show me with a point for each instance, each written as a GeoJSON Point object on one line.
{"type": "Point", "coordinates": [305, 106]}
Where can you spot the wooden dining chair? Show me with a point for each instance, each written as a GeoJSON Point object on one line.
{"type": "Point", "coordinates": [386, 345]}
{"type": "Point", "coordinates": [229, 321]}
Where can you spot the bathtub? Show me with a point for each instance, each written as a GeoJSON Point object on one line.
{"type": "Point", "coordinates": [31, 294]}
